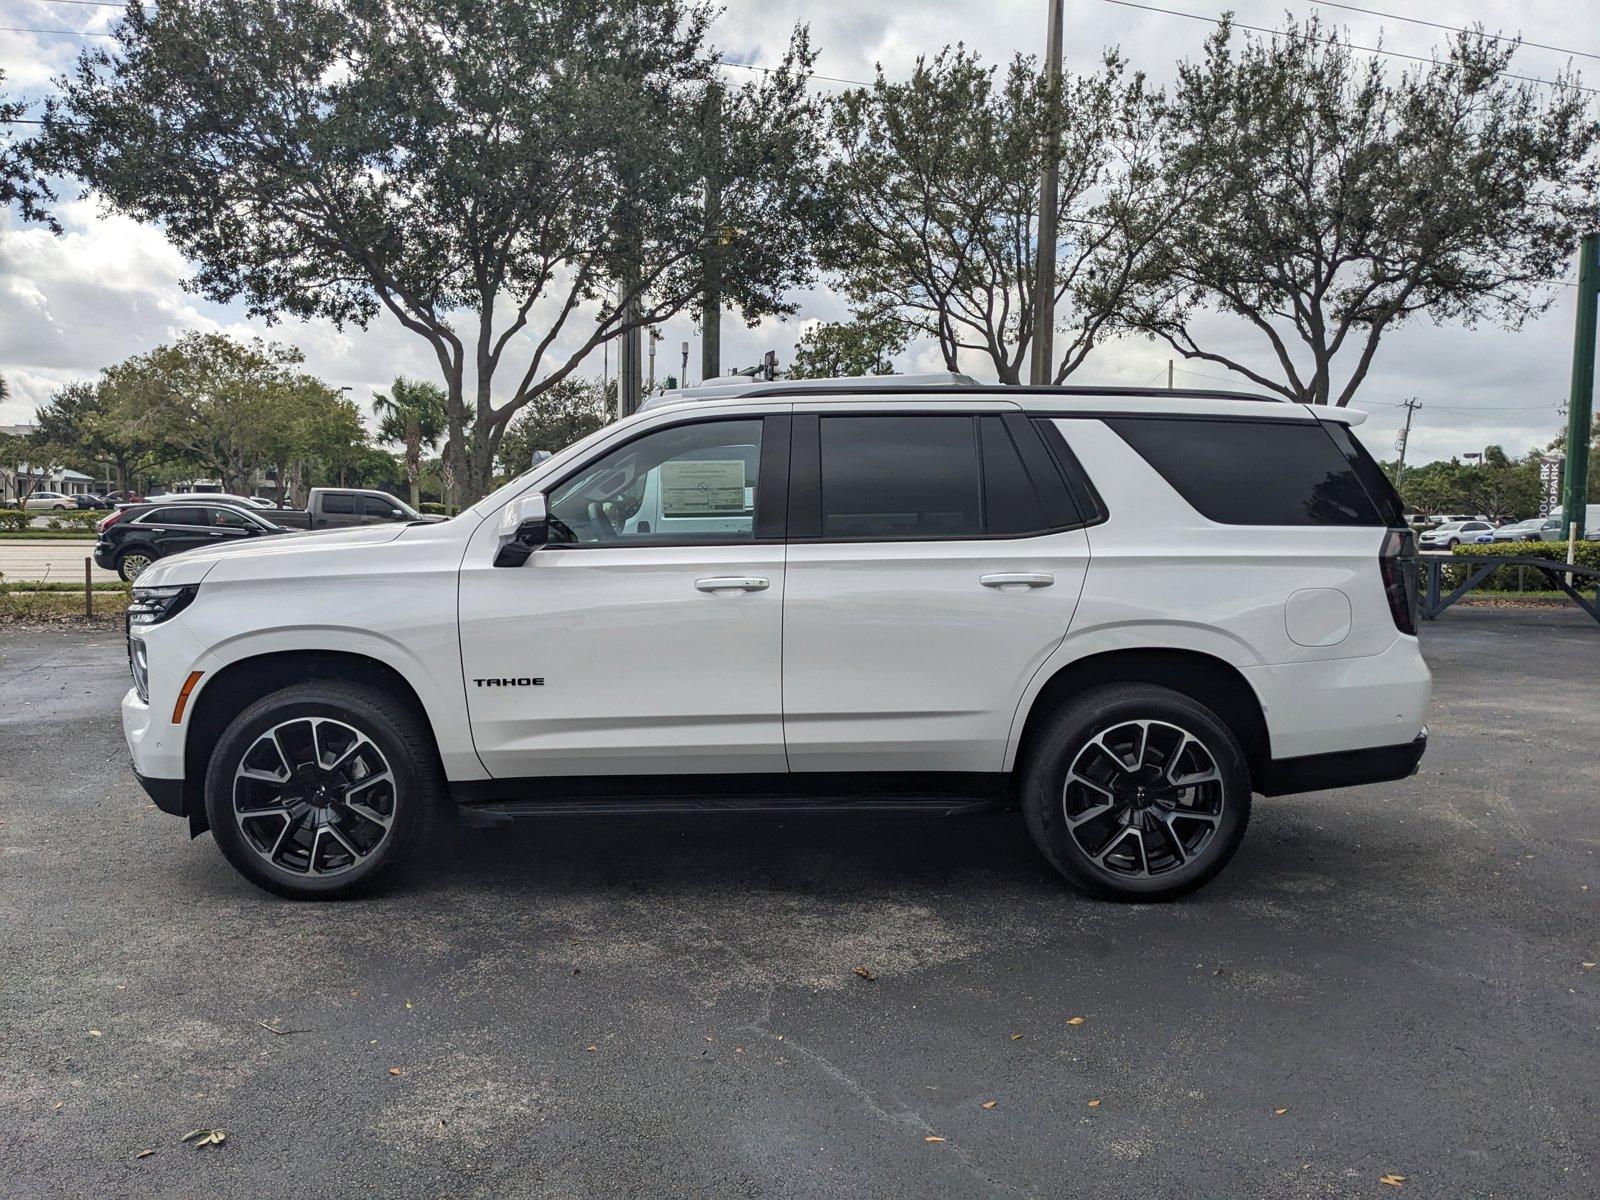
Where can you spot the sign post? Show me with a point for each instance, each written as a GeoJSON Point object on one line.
{"type": "Point", "coordinates": [1581, 406]}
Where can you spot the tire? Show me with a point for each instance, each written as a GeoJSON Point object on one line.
{"type": "Point", "coordinates": [331, 841]}
{"type": "Point", "coordinates": [1185, 834]}
{"type": "Point", "coordinates": [132, 563]}
{"type": "Point", "coordinates": [1453, 543]}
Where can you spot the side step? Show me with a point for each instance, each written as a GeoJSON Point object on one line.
{"type": "Point", "coordinates": [498, 812]}
{"type": "Point", "coordinates": [497, 801]}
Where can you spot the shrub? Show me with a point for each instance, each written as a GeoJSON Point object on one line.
{"type": "Point", "coordinates": [432, 508]}
{"type": "Point", "coordinates": [14, 518]}
{"type": "Point", "coordinates": [1505, 579]}
{"type": "Point", "coordinates": [76, 518]}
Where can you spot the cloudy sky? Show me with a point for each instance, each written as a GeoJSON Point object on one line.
{"type": "Point", "coordinates": [109, 288]}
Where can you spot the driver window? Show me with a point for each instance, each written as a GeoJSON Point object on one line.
{"type": "Point", "coordinates": [690, 483]}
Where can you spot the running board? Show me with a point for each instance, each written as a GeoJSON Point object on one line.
{"type": "Point", "coordinates": [498, 812]}
{"type": "Point", "coordinates": [491, 802]}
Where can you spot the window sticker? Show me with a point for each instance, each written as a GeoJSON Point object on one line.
{"type": "Point", "coordinates": [702, 488]}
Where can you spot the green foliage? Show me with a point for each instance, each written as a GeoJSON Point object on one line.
{"type": "Point", "coordinates": [1500, 487]}
{"type": "Point", "coordinates": [73, 518]}
{"type": "Point", "coordinates": [937, 188]}
{"type": "Point", "coordinates": [21, 184]}
{"type": "Point", "coordinates": [226, 408]}
{"type": "Point", "coordinates": [501, 161]}
{"type": "Point", "coordinates": [862, 346]}
{"type": "Point", "coordinates": [1507, 579]}
{"type": "Point", "coordinates": [414, 415]}
{"type": "Point", "coordinates": [14, 518]}
{"type": "Point", "coordinates": [85, 423]}
{"type": "Point", "coordinates": [570, 410]}
{"type": "Point", "coordinates": [1331, 201]}
{"type": "Point", "coordinates": [432, 508]}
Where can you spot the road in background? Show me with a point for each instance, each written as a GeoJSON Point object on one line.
{"type": "Point", "coordinates": [670, 1007]}
{"type": "Point", "coordinates": [56, 560]}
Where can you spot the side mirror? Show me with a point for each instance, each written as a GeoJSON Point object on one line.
{"type": "Point", "coordinates": [524, 527]}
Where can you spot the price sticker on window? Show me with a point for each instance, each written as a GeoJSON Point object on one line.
{"type": "Point", "coordinates": [702, 487]}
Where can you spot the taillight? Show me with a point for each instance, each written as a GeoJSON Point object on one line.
{"type": "Point", "coordinates": [106, 522]}
{"type": "Point", "coordinates": [1397, 564]}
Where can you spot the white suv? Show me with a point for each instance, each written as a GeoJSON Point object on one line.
{"type": "Point", "coordinates": [1120, 611]}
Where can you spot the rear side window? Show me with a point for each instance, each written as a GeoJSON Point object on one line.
{"type": "Point", "coordinates": [900, 477]}
{"type": "Point", "coordinates": [1253, 472]}
{"type": "Point", "coordinates": [339, 505]}
{"type": "Point", "coordinates": [1011, 504]}
{"type": "Point", "coordinates": [177, 516]}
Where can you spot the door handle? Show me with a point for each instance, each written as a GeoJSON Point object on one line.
{"type": "Point", "coordinates": [732, 583]}
{"type": "Point", "coordinates": [1009, 580]}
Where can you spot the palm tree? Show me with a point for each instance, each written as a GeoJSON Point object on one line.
{"type": "Point", "coordinates": [413, 413]}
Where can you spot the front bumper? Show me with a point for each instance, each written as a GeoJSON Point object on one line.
{"type": "Point", "coordinates": [1344, 768]}
{"type": "Point", "coordinates": [167, 793]}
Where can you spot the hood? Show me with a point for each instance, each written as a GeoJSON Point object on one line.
{"type": "Point", "coordinates": [304, 548]}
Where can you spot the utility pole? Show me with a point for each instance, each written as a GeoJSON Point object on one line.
{"type": "Point", "coordinates": [711, 292]}
{"type": "Point", "coordinates": [655, 336]}
{"type": "Point", "coordinates": [629, 365]}
{"type": "Point", "coordinates": [1169, 374]}
{"type": "Point", "coordinates": [683, 380]}
{"type": "Point", "coordinates": [1042, 369]}
{"type": "Point", "coordinates": [1411, 407]}
{"type": "Point", "coordinates": [1581, 406]}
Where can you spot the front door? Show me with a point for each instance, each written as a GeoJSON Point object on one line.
{"type": "Point", "coordinates": [935, 561]}
{"type": "Point", "coordinates": [639, 640]}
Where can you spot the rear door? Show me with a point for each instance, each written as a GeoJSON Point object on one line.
{"type": "Point", "coordinates": [935, 559]}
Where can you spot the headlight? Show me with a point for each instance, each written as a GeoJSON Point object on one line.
{"type": "Point", "coordinates": [153, 605]}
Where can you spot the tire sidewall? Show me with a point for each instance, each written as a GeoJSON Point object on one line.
{"type": "Point", "coordinates": [125, 555]}
{"type": "Point", "coordinates": [413, 798]}
{"type": "Point", "coordinates": [1093, 713]}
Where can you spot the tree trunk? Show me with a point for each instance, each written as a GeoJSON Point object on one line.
{"type": "Point", "coordinates": [413, 456]}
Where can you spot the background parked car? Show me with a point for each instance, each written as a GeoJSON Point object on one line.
{"type": "Point", "coordinates": [1452, 533]}
{"type": "Point", "coordinates": [330, 508]}
{"type": "Point", "coordinates": [91, 501]}
{"type": "Point", "coordinates": [1534, 529]}
{"type": "Point", "coordinates": [133, 538]}
{"type": "Point", "coordinates": [48, 502]}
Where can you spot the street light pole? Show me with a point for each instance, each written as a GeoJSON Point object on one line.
{"type": "Point", "coordinates": [1042, 368]}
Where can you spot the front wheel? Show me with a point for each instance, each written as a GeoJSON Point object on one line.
{"type": "Point", "coordinates": [1454, 542]}
{"type": "Point", "coordinates": [1136, 792]}
{"type": "Point", "coordinates": [315, 790]}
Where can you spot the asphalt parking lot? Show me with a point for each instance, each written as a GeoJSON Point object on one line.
{"type": "Point", "coordinates": [651, 1007]}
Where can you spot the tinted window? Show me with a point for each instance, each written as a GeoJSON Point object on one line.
{"type": "Point", "coordinates": [227, 518]}
{"type": "Point", "coordinates": [1010, 502]}
{"type": "Point", "coordinates": [373, 506]}
{"type": "Point", "coordinates": [1378, 485]}
{"type": "Point", "coordinates": [177, 516]}
{"type": "Point", "coordinates": [339, 504]}
{"type": "Point", "coordinates": [689, 483]}
{"type": "Point", "coordinates": [900, 477]}
{"type": "Point", "coordinates": [1253, 472]}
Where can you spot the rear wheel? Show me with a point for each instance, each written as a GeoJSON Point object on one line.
{"type": "Point", "coordinates": [317, 789]}
{"type": "Point", "coordinates": [1136, 792]}
{"type": "Point", "coordinates": [132, 563]}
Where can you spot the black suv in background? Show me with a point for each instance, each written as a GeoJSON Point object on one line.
{"type": "Point", "coordinates": [134, 537]}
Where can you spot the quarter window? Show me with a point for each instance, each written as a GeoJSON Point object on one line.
{"type": "Point", "coordinates": [1253, 472]}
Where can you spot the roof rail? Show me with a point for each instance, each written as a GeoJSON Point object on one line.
{"type": "Point", "coordinates": [726, 386]}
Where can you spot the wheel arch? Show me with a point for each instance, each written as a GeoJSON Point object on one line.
{"type": "Point", "coordinates": [235, 687]}
{"type": "Point", "coordinates": [1212, 681]}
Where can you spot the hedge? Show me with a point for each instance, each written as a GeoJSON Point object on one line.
{"type": "Point", "coordinates": [1587, 554]}
{"type": "Point", "coordinates": [432, 509]}
{"type": "Point", "coordinates": [14, 518]}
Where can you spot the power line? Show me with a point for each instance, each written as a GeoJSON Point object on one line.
{"type": "Point", "coordinates": [1173, 12]}
{"type": "Point", "coordinates": [1372, 12]}
{"type": "Point", "coordinates": [84, 3]}
{"type": "Point", "coordinates": [808, 74]}
{"type": "Point", "coordinates": [53, 32]}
